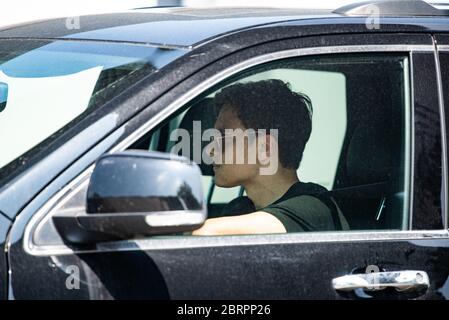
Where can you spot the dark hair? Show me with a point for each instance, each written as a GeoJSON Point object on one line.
{"type": "Point", "coordinates": [271, 104]}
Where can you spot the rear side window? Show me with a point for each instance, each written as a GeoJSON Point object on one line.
{"type": "Point", "coordinates": [358, 151]}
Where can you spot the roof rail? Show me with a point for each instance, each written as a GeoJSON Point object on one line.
{"type": "Point", "coordinates": [391, 8]}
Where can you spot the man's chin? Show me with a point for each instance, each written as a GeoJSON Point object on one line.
{"type": "Point", "coordinates": [226, 176]}
{"type": "Point", "coordinates": [223, 183]}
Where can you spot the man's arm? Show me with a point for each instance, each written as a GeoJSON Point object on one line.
{"type": "Point", "coordinates": [251, 223]}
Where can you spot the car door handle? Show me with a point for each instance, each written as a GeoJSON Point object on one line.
{"type": "Point", "coordinates": [405, 281]}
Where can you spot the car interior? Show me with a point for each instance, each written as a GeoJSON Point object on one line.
{"type": "Point", "coordinates": [369, 186]}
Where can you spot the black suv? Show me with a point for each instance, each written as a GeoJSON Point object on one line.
{"type": "Point", "coordinates": [94, 206]}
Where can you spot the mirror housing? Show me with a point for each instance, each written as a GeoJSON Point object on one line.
{"type": "Point", "coordinates": [134, 194]}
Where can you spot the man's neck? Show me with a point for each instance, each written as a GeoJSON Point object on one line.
{"type": "Point", "coordinates": [267, 189]}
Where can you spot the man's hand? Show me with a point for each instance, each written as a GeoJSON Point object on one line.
{"type": "Point", "coordinates": [253, 223]}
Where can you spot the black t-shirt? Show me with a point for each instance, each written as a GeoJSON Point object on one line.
{"type": "Point", "coordinates": [299, 209]}
{"type": "Point", "coordinates": [302, 208]}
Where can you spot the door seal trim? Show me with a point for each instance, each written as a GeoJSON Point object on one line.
{"type": "Point", "coordinates": [443, 128]}
{"type": "Point", "coordinates": [189, 242]}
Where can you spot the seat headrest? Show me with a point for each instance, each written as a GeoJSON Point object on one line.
{"type": "Point", "coordinates": [368, 158]}
{"type": "Point", "coordinates": [203, 111]}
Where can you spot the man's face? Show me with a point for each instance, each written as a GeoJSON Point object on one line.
{"type": "Point", "coordinates": [233, 174]}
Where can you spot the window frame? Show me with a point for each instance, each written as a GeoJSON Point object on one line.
{"type": "Point", "coordinates": [176, 242]}
{"type": "Point", "coordinates": [443, 97]}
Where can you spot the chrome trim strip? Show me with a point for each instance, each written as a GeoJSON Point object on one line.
{"type": "Point", "coordinates": [443, 47]}
{"type": "Point", "coordinates": [410, 172]}
{"type": "Point", "coordinates": [186, 242]}
{"type": "Point", "coordinates": [445, 186]}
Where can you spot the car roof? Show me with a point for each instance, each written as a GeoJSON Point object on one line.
{"type": "Point", "coordinates": [175, 26]}
{"type": "Point", "coordinates": [186, 27]}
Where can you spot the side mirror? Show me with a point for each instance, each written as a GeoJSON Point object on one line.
{"type": "Point", "coordinates": [134, 194]}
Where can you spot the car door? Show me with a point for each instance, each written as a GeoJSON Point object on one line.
{"type": "Point", "coordinates": [412, 243]}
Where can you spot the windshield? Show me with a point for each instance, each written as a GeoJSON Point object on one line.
{"type": "Point", "coordinates": [46, 85]}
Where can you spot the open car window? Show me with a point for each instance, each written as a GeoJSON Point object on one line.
{"type": "Point", "coordinates": [359, 147]}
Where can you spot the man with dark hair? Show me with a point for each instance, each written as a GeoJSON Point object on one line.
{"type": "Point", "coordinates": [276, 202]}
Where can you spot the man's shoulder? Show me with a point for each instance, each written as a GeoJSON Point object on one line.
{"type": "Point", "coordinates": [302, 204]}
{"type": "Point", "coordinates": [302, 213]}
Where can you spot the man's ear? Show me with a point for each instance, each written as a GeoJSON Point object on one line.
{"type": "Point", "coordinates": [269, 158]}
{"type": "Point", "coordinates": [267, 146]}
{"type": "Point", "coordinates": [271, 143]}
